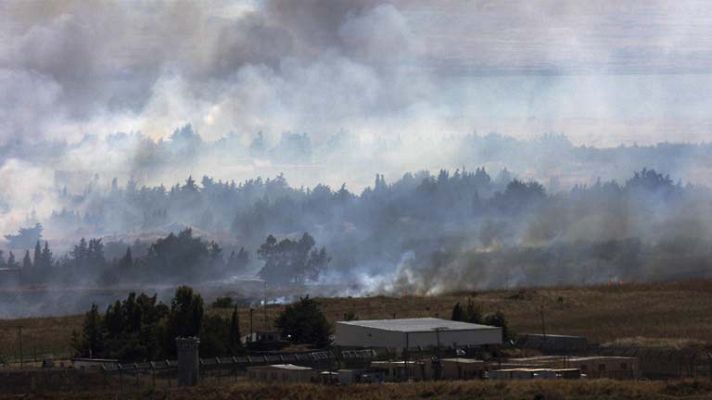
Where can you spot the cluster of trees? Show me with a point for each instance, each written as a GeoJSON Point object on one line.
{"type": "Point", "coordinates": [463, 228]}
{"type": "Point", "coordinates": [142, 328]}
{"type": "Point", "coordinates": [175, 258]}
{"type": "Point", "coordinates": [472, 313]}
{"type": "Point", "coordinates": [257, 207]}
{"type": "Point", "coordinates": [291, 260]}
{"type": "Point", "coordinates": [304, 323]}
{"type": "Point", "coordinates": [34, 268]}
{"type": "Point", "coordinates": [25, 238]}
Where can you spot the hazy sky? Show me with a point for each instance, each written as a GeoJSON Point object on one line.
{"type": "Point", "coordinates": [602, 72]}
{"type": "Point", "coordinates": [392, 82]}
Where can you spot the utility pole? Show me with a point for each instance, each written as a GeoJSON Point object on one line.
{"type": "Point", "coordinates": [437, 366]}
{"type": "Point", "coordinates": [406, 356]}
{"type": "Point", "coordinates": [19, 334]}
{"type": "Point", "coordinates": [437, 338]}
{"type": "Point", "coordinates": [265, 308]}
{"type": "Point", "coordinates": [252, 314]}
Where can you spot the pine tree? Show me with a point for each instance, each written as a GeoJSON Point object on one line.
{"type": "Point", "coordinates": [91, 341]}
{"type": "Point", "coordinates": [473, 313]}
{"type": "Point", "coordinates": [127, 260]}
{"type": "Point", "coordinates": [498, 319]}
{"type": "Point", "coordinates": [234, 338]}
{"type": "Point", "coordinates": [304, 322]}
{"type": "Point", "coordinates": [46, 256]}
{"type": "Point", "coordinates": [27, 261]}
{"type": "Point", "coordinates": [457, 313]}
{"type": "Point", "coordinates": [95, 253]}
{"type": "Point", "coordinates": [11, 262]}
{"type": "Point", "coordinates": [79, 254]}
{"type": "Point", "coordinates": [38, 255]}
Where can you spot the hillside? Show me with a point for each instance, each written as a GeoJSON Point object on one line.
{"type": "Point", "coordinates": [669, 313]}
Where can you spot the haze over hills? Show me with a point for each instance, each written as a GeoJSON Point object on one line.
{"type": "Point", "coordinates": [127, 124]}
{"type": "Point", "coordinates": [427, 233]}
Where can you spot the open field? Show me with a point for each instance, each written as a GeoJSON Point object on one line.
{"type": "Point", "coordinates": [677, 313]}
{"type": "Point", "coordinates": [543, 390]}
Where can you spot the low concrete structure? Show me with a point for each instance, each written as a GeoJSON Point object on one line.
{"type": "Point", "coordinates": [606, 366]}
{"type": "Point", "coordinates": [522, 374]}
{"type": "Point", "coordinates": [462, 368]}
{"type": "Point", "coordinates": [188, 361]}
{"type": "Point", "coordinates": [414, 332]}
{"type": "Point", "coordinates": [568, 373]}
{"type": "Point", "coordinates": [349, 376]}
{"type": "Point", "coordinates": [261, 336]}
{"type": "Point", "coordinates": [399, 371]}
{"type": "Point", "coordinates": [282, 373]}
{"type": "Point", "coordinates": [84, 363]}
{"type": "Point", "coordinates": [328, 377]}
{"type": "Point", "coordinates": [559, 344]}
{"type": "Point", "coordinates": [613, 367]}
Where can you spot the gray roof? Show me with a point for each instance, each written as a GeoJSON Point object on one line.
{"type": "Point", "coordinates": [416, 325]}
{"type": "Point", "coordinates": [289, 367]}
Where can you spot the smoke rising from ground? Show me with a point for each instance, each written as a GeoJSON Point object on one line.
{"type": "Point", "coordinates": [334, 92]}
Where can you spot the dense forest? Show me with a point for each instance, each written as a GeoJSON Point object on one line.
{"type": "Point", "coordinates": [423, 232]}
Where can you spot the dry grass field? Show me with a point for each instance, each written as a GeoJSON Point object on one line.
{"type": "Point", "coordinates": [677, 313]}
{"type": "Point", "coordinates": [485, 390]}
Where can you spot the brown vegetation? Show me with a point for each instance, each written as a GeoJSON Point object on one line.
{"type": "Point", "coordinates": [679, 311]}
{"type": "Point", "coordinates": [545, 390]}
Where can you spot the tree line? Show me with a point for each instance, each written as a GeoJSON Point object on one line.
{"type": "Point", "coordinates": [483, 229]}
{"type": "Point", "coordinates": [175, 258]}
{"type": "Point", "coordinates": [142, 328]}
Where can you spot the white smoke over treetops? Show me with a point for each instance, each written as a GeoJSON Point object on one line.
{"type": "Point", "coordinates": [379, 87]}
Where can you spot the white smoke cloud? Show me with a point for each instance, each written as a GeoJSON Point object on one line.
{"type": "Point", "coordinates": [389, 82]}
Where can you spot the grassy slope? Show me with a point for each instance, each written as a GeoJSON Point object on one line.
{"type": "Point", "coordinates": [602, 313]}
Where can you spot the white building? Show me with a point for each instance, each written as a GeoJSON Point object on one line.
{"type": "Point", "coordinates": [414, 332]}
{"type": "Point", "coordinates": [287, 373]}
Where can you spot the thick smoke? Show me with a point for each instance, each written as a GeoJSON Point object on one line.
{"type": "Point", "coordinates": [336, 91]}
{"type": "Point", "coordinates": [401, 75]}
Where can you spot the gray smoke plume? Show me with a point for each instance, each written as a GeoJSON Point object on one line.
{"type": "Point", "coordinates": [334, 92]}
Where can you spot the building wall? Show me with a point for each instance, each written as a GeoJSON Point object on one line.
{"type": "Point", "coordinates": [452, 369]}
{"type": "Point", "coordinates": [607, 367]}
{"type": "Point", "coordinates": [557, 344]}
{"type": "Point", "coordinates": [279, 375]}
{"type": "Point", "coordinates": [522, 374]}
{"type": "Point", "coordinates": [397, 371]}
{"type": "Point", "coordinates": [353, 335]}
